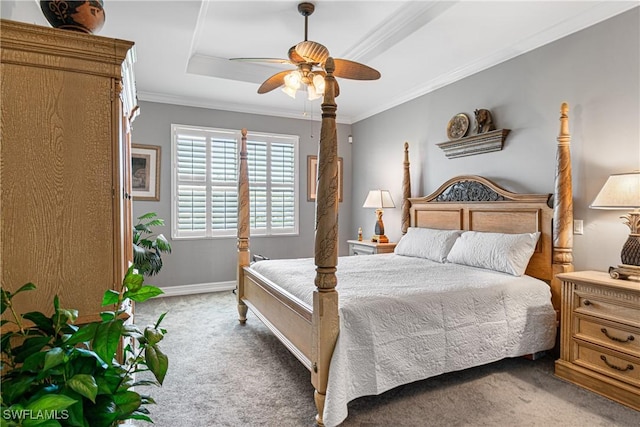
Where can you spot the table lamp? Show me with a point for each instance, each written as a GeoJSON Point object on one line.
{"type": "Point", "coordinates": [379, 199]}
{"type": "Point", "coordinates": [622, 191]}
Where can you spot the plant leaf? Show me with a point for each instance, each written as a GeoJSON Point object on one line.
{"type": "Point", "coordinates": [144, 293]}
{"type": "Point", "coordinates": [13, 388]}
{"type": "Point", "coordinates": [63, 316]}
{"type": "Point", "coordinates": [107, 338]}
{"type": "Point", "coordinates": [157, 362]}
{"type": "Point", "coordinates": [138, 416]}
{"type": "Point", "coordinates": [148, 215]}
{"type": "Point", "coordinates": [107, 315]}
{"type": "Point", "coordinates": [110, 297]}
{"type": "Point", "coordinates": [26, 287]}
{"type": "Point", "coordinates": [29, 347]}
{"type": "Point", "coordinates": [144, 382]}
{"type": "Point", "coordinates": [5, 341]}
{"type": "Point", "coordinates": [155, 222]}
{"type": "Point", "coordinates": [53, 358]}
{"type": "Point", "coordinates": [103, 413]}
{"type": "Point", "coordinates": [40, 320]}
{"type": "Point", "coordinates": [163, 244]}
{"type": "Point", "coordinates": [160, 319]}
{"type": "Point", "coordinates": [33, 362]}
{"type": "Point", "coordinates": [126, 403]}
{"type": "Point", "coordinates": [84, 334]}
{"type": "Point", "coordinates": [49, 402]}
{"type": "Point", "coordinates": [133, 282]}
{"type": "Point", "coordinates": [85, 385]}
{"type": "Point", "coordinates": [91, 354]}
{"type": "Point", "coordinates": [153, 335]}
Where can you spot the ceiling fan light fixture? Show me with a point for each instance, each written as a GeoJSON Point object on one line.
{"type": "Point", "coordinates": [312, 93]}
{"type": "Point", "coordinates": [292, 83]}
{"type": "Point", "coordinates": [289, 91]}
{"type": "Point", "coordinates": [318, 83]}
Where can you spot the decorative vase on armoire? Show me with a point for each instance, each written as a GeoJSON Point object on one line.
{"type": "Point", "coordinates": [85, 16]}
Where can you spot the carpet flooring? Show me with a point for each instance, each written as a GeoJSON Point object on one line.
{"type": "Point", "coordinates": [222, 373]}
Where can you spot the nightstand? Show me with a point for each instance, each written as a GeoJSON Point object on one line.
{"type": "Point", "coordinates": [600, 335]}
{"type": "Point", "coordinates": [367, 247]}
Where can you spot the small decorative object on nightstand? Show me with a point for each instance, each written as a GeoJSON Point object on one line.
{"type": "Point", "coordinates": [379, 199]}
{"type": "Point", "coordinates": [600, 335]}
{"type": "Point", "coordinates": [622, 191]}
{"type": "Point", "coordinates": [357, 247]}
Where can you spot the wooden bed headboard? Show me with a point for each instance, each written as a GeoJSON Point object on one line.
{"type": "Point", "coordinates": [475, 203]}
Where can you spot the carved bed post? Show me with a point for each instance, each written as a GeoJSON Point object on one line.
{"type": "Point", "coordinates": [406, 192]}
{"type": "Point", "coordinates": [325, 318]}
{"type": "Point", "coordinates": [243, 225]}
{"type": "Point", "coordinates": [562, 209]}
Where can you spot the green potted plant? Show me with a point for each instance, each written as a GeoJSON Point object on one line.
{"type": "Point", "coordinates": [147, 247]}
{"type": "Point", "coordinates": [55, 373]}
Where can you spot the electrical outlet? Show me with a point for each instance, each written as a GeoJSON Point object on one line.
{"type": "Point", "coordinates": [578, 227]}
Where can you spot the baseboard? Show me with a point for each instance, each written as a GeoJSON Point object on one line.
{"type": "Point", "coordinates": [198, 288]}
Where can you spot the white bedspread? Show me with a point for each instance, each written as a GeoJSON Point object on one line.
{"type": "Point", "coordinates": [404, 319]}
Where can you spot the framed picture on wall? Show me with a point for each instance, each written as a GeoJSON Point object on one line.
{"type": "Point", "coordinates": [312, 178]}
{"type": "Point", "coordinates": [145, 172]}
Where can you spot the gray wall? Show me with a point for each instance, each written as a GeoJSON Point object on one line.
{"type": "Point", "coordinates": [214, 260]}
{"type": "Point", "coordinates": [595, 70]}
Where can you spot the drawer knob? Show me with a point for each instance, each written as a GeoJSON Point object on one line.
{"type": "Point", "coordinates": [586, 302]}
{"type": "Point", "coordinates": [617, 368]}
{"type": "Point", "coordinates": [612, 338]}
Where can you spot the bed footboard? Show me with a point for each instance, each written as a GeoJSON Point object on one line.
{"type": "Point", "coordinates": [285, 315]}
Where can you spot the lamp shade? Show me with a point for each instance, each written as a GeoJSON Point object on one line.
{"type": "Point", "coordinates": [621, 191]}
{"type": "Point", "coordinates": [379, 199]}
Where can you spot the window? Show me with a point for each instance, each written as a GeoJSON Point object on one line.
{"type": "Point", "coordinates": [205, 182]}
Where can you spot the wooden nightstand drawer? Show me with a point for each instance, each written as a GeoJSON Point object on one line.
{"type": "Point", "coordinates": [367, 247]}
{"type": "Point", "coordinates": [608, 334]}
{"type": "Point", "coordinates": [609, 363]}
{"type": "Point", "coordinates": [600, 335]}
{"type": "Point", "coordinates": [601, 306]}
{"type": "Point", "coordinates": [362, 250]}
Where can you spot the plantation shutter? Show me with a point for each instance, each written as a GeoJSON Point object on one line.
{"type": "Point", "coordinates": [283, 203]}
{"type": "Point", "coordinates": [205, 180]}
{"type": "Point", "coordinates": [191, 184]}
{"type": "Point", "coordinates": [224, 182]}
{"type": "Point", "coordinates": [257, 162]}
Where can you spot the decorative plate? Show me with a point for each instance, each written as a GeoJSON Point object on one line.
{"type": "Point", "coordinates": [458, 126]}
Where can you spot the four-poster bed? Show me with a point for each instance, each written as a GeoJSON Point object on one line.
{"type": "Point", "coordinates": [311, 324]}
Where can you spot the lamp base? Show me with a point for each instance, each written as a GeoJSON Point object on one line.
{"type": "Point", "coordinates": [630, 254]}
{"type": "Point", "coordinates": [380, 238]}
{"type": "Point", "coordinates": [625, 272]}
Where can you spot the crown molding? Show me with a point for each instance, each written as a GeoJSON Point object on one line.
{"type": "Point", "coordinates": [213, 104]}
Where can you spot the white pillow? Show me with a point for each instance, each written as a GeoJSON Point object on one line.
{"type": "Point", "coordinates": [427, 243]}
{"type": "Point", "coordinates": [507, 253]}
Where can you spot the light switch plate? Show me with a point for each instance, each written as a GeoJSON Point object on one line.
{"type": "Point", "coordinates": [578, 226]}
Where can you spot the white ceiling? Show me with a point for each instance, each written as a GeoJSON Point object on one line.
{"type": "Point", "coordinates": [183, 47]}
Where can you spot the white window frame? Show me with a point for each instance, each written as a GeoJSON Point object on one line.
{"type": "Point", "coordinates": [209, 233]}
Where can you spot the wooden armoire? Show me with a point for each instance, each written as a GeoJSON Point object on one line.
{"type": "Point", "coordinates": [67, 103]}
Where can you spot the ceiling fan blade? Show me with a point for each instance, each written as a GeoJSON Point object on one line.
{"type": "Point", "coordinates": [273, 82]}
{"type": "Point", "coordinates": [312, 52]}
{"type": "Point", "coordinates": [354, 70]}
{"type": "Point", "coordinates": [269, 60]}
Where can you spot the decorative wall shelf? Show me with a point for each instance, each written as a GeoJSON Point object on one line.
{"type": "Point", "coordinates": [475, 144]}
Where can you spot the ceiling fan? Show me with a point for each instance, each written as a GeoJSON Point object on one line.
{"type": "Point", "coordinates": [309, 57]}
